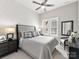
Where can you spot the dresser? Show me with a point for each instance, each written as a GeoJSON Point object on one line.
{"type": "Point", "coordinates": [7, 47]}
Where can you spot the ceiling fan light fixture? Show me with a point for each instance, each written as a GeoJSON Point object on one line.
{"type": "Point", "coordinates": [43, 7]}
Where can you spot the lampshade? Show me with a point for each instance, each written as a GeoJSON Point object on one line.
{"type": "Point", "coordinates": [10, 30]}
{"type": "Point", "coordinates": [39, 29]}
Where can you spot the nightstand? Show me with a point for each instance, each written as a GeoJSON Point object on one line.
{"type": "Point", "coordinates": [7, 47]}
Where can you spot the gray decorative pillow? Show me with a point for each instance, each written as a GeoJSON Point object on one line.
{"type": "Point", "coordinates": [35, 33]}
{"type": "Point", "coordinates": [27, 34]}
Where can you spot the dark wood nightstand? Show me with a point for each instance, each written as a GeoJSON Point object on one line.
{"type": "Point", "coordinates": [7, 47]}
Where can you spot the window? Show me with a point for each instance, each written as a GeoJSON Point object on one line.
{"type": "Point", "coordinates": [54, 27]}
{"type": "Point", "coordinates": [50, 26]}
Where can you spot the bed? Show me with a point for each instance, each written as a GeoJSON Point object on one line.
{"type": "Point", "coordinates": [39, 47]}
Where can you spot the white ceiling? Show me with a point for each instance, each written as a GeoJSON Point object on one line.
{"type": "Point", "coordinates": [57, 3]}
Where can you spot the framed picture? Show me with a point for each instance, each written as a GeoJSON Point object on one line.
{"type": "Point", "coordinates": [10, 35]}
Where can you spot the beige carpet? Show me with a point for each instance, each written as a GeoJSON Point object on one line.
{"type": "Point", "coordinates": [17, 55]}
{"type": "Point", "coordinates": [57, 55]}
{"type": "Point", "coordinates": [21, 55]}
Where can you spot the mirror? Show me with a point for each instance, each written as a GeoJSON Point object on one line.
{"type": "Point", "coordinates": [66, 27]}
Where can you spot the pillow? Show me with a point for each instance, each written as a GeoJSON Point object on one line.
{"type": "Point", "coordinates": [27, 34]}
{"type": "Point", "coordinates": [35, 33]}
{"type": "Point", "coordinates": [2, 38]}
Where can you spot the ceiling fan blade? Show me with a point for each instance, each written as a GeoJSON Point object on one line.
{"type": "Point", "coordinates": [36, 2]}
{"type": "Point", "coordinates": [49, 5]}
{"type": "Point", "coordinates": [44, 2]}
{"type": "Point", "coordinates": [38, 8]}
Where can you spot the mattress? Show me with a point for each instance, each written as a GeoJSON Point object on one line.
{"type": "Point", "coordinates": [40, 47]}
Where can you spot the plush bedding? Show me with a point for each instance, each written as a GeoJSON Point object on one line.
{"type": "Point", "coordinates": [40, 47]}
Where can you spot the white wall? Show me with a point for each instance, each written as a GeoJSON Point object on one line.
{"type": "Point", "coordinates": [78, 12]}
{"type": "Point", "coordinates": [12, 12]}
{"type": "Point", "coordinates": [68, 12]}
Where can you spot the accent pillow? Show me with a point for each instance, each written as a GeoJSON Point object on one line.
{"type": "Point", "coordinates": [35, 33]}
{"type": "Point", "coordinates": [27, 34]}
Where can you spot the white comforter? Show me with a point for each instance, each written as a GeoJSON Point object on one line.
{"type": "Point", "coordinates": [40, 47]}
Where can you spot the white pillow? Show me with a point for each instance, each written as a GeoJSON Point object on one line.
{"type": "Point", "coordinates": [35, 33]}
{"type": "Point", "coordinates": [2, 38]}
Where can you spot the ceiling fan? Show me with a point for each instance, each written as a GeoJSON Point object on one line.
{"type": "Point", "coordinates": [43, 5]}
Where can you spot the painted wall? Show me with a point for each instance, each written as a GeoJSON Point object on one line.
{"type": "Point", "coordinates": [65, 13]}
{"type": "Point", "coordinates": [78, 12]}
{"type": "Point", "coordinates": [12, 12]}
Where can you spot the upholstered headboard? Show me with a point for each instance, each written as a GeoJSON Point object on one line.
{"type": "Point", "coordinates": [20, 29]}
{"type": "Point", "coordinates": [25, 28]}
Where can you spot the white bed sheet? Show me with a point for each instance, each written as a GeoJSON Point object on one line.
{"type": "Point", "coordinates": [40, 47]}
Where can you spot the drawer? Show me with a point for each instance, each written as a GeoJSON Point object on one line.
{"type": "Point", "coordinates": [12, 47]}
{"type": "Point", "coordinates": [12, 41]}
{"type": "Point", "coordinates": [12, 50]}
{"type": "Point", "coordinates": [3, 52]}
{"type": "Point", "coordinates": [3, 49]}
{"type": "Point", "coordinates": [3, 45]}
